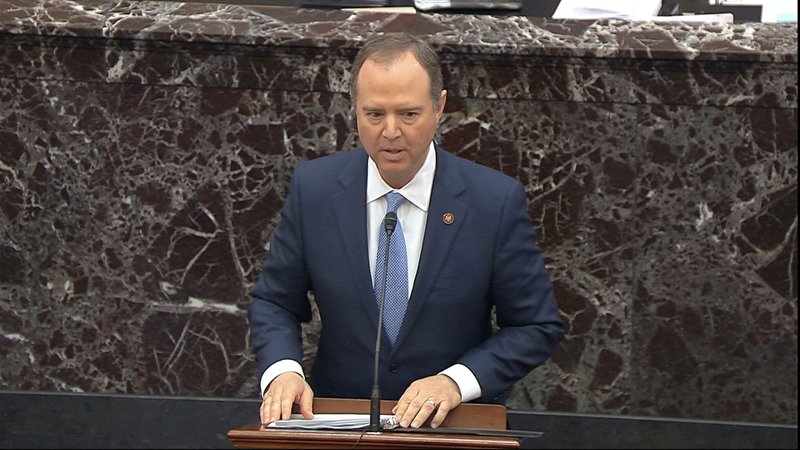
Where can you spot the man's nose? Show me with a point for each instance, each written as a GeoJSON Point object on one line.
{"type": "Point", "coordinates": [391, 129]}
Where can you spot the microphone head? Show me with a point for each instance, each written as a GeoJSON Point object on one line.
{"type": "Point", "coordinates": [390, 222]}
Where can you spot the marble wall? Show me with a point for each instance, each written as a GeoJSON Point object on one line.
{"type": "Point", "coordinates": [145, 149]}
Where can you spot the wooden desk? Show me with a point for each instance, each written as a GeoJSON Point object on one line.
{"type": "Point", "coordinates": [465, 416]}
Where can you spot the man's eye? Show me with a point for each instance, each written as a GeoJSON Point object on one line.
{"type": "Point", "coordinates": [374, 115]}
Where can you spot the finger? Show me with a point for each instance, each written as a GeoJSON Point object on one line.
{"type": "Point", "coordinates": [407, 414]}
{"type": "Point", "coordinates": [286, 406]}
{"type": "Point", "coordinates": [401, 408]}
{"type": "Point", "coordinates": [275, 405]}
{"type": "Point", "coordinates": [412, 411]}
{"type": "Point", "coordinates": [266, 409]}
{"type": "Point", "coordinates": [263, 411]}
{"type": "Point", "coordinates": [441, 413]}
{"type": "Point", "coordinates": [425, 411]}
{"type": "Point", "coordinates": [306, 403]}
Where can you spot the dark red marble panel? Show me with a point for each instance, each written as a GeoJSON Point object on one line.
{"type": "Point", "coordinates": [146, 148]}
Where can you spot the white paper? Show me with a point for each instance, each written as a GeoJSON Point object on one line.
{"type": "Point", "coordinates": [428, 5]}
{"type": "Point", "coordinates": [327, 422]}
{"type": "Point", "coordinates": [608, 9]}
{"type": "Point", "coordinates": [722, 17]}
{"type": "Point", "coordinates": [779, 11]}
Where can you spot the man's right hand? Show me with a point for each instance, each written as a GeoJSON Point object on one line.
{"type": "Point", "coordinates": [285, 390]}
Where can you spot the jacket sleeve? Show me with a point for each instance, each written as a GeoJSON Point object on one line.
{"type": "Point", "coordinates": [279, 299]}
{"type": "Point", "coordinates": [527, 314]}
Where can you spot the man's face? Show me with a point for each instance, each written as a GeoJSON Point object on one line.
{"type": "Point", "coordinates": [396, 118]}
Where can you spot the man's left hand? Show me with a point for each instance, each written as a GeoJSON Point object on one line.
{"type": "Point", "coordinates": [439, 394]}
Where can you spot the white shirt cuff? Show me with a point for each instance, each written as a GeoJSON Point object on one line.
{"type": "Point", "coordinates": [466, 381]}
{"type": "Point", "coordinates": [282, 366]}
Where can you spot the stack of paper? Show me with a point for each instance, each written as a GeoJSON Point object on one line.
{"type": "Point", "coordinates": [327, 422]}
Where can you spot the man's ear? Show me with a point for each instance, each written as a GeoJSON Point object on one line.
{"type": "Point", "coordinates": [442, 101]}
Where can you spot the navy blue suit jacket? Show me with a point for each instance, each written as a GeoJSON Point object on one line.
{"type": "Point", "coordinates": [486, 258]}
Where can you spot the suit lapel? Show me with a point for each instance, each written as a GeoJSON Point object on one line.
{"type": "Point", "coordinates": [439, 236]}
{"type": "Point", "coordinates": [351, 219]}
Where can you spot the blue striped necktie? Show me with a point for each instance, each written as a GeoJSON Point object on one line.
{"type": "Point", "coordinates": [397, 273]}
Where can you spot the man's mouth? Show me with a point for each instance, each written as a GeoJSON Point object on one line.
{"type": "Point", "coordinates": [393, 154]}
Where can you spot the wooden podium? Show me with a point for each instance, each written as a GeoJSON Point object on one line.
{"type": "Point", "coordinates": [467, 415]}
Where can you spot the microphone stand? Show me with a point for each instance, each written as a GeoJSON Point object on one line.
{"type": "Point", "coordinates": [390, 222]}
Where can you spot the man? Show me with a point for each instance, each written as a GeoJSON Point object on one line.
{"type": "Point", "coordinates": [463, 245]}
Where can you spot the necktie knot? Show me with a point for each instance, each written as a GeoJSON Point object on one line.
{"type": "Point", "coordinates": [394, 200]}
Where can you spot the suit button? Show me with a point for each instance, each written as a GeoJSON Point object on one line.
{"type": "Point", "coordinates": [394, 368]}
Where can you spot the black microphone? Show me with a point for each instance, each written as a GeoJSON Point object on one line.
{"type": "Point", "coordinates": [390, 222]}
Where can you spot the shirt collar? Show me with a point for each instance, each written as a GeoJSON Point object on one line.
{"type": "Point", "coordinates": [417, 191]}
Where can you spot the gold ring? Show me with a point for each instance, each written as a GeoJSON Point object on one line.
{"type": "Point", "coordinates": [430, 401]}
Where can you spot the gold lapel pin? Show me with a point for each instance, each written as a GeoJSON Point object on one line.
{"type": "Point", "coordinates": [448, 218]}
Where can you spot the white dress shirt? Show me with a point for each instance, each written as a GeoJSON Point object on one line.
{"type": "Point", "coordinates": [412, 214]}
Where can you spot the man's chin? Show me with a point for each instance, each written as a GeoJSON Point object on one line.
{"type": "Point", "coordinates": [395, 175]}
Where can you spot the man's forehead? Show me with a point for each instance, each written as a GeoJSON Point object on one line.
{"type": "Point", "coordinates": [388, 59]}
